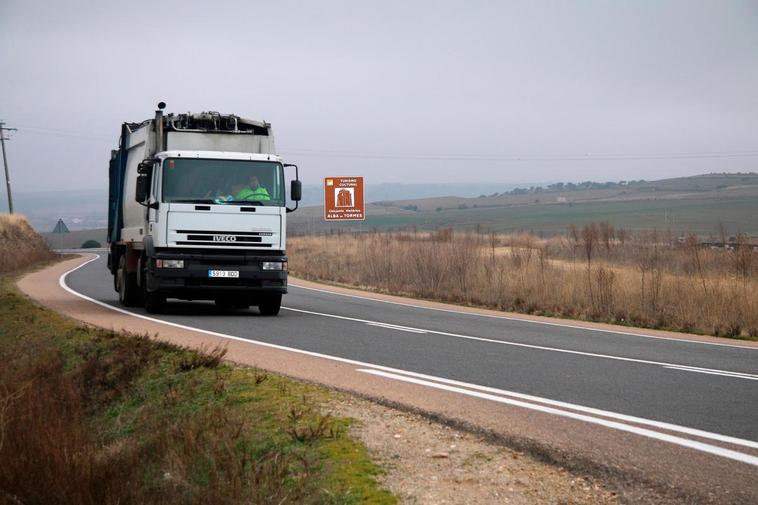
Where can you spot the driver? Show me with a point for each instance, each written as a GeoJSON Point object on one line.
{"type": "Point", "coordinates": [250, 190]}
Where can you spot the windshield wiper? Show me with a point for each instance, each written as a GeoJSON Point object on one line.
{"type": "Point", "coordinates": [196, 200]}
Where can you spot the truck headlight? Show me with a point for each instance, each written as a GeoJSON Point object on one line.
{"type": "Point", "coordinates": [274, 265]}
{"type": "Point", "coordinates": [169, 263]}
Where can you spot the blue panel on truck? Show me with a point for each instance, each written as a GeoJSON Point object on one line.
{"type": "Point", "coordinates": [116, 173]}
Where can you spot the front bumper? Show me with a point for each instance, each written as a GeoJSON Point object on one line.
{"type": "Point", "coordinates": [192, 281]}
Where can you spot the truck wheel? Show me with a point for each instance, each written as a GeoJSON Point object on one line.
{"type": "Point", "coordinates": [155, 302]}
{"type": "Point", "coordinates": [270, 305]}
{"type": "Point", "coordinates": [128, 291]}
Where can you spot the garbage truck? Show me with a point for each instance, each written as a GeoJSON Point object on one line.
{"type": "Point", "coordinates": [197, 210]}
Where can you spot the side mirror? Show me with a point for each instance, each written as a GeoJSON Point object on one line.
{"type": "Point", "coordinates": [145, 166]}
{"type": "Point", "coordinates": [142, 189]}
{"type": "Point", "coordinates": [296, 191]}
{"type": "Point", "coordinates": [296, 188]}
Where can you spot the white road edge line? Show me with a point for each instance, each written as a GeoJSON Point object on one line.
{"type": "Point", "coordinates": [701, 369]}
{"type": "Point", "coordinates": [664, 437]}
{"type": "Point", "coordinates": [708, 372]}
{"type": "Point", "coordinates": [609, 414]}
{"type": "Point", "coordinates": [396, 327]}
{"type": "Point", "coordinates": [589, 410]}
{"type": "Point", "coordinates": [507, 342]}
{"type": "Point", "coordinates": [523, 320]}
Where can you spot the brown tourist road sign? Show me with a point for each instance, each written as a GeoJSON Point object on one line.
{"type": "Point", "coordinates": [343, 199]}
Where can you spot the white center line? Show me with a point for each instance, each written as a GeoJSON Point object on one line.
{"type": "Point", "coordinates": [410, 304]}
{"type": "Point", "coordinates": [727, 373]}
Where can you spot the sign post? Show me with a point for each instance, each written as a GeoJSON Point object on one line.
{"type": "Point", "coordinates": [344, 199]}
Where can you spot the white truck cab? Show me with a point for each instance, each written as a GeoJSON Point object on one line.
{"type": "Point", "coordinates": [197, 210]}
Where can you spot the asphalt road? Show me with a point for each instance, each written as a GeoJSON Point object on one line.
{"type": "Point", "coordinates": [691, 385]}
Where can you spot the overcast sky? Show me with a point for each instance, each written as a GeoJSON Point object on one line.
{"type": "Point", "coordinates": [396, 91]}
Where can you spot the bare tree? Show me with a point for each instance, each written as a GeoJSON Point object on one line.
{"type": "Point", "coordinates": [742, 258]}
{"type": "Point", "coordinates": [589, 241]}
{"type": "Point", "coordinates": [693, 248]}
{"type": "Point", "coordinates": [573, 235]}
{"type": "Point", "coordinates": [607, 235]}
{"type": "Point", "coordinates": [622, 235]}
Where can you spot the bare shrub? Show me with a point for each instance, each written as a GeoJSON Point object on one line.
{"type": "Point", "coordinates": [589, 242]}
{"type": "Point", "coordinates": [607, 235]}
{"type": "Point", "coordinates": [204, 357]}
{"type": "Point", "coordinates": [743, 258]}
{"type": "Point", "coordinates": [693, 248]}
{"type": "Point", "coordinates": [604, 280]}
{"type": "Point", "coordinates": [648, 262]}
{"type": "Point", "coordinates": [308, 426]}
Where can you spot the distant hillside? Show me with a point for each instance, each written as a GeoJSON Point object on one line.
{"type": "Point", "coordinates": [79, 209]}
{"type": "Point", "coordinates": [76, 238]}
{"type": "Point", "coordinates": [313, 194]}
{"type": "Point", "coordinates": [699, 204]}
{"type": "Point", "coordinates": [714, 185]}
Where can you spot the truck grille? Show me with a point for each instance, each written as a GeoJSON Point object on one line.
{"type": "Point", "coordinates": [225, 238]}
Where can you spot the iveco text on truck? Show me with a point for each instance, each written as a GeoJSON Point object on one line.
{"type": "Point", "coordinates": [197, 211]}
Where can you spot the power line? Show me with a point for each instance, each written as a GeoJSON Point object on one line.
{"type": "Point", "coordinates": [64, 133]}
{"type": "Point", "coordinates": [514, 158]}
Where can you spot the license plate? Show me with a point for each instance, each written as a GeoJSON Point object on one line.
{"type": "Point", "coordinates": [224, 273]}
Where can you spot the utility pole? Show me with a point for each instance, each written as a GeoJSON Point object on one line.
{"type": "Point", "coordinates": [3, 129]}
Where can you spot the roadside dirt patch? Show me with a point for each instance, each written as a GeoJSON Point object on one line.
{"type": "Point", "coordinates": [429, 463]}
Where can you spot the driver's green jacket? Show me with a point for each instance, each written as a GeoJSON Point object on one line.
{"type": "Point", "coordinates": [249, 194]}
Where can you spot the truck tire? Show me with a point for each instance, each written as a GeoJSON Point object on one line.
{"type": "Point", "coordinates": [155, 303]}
{"type": "Point", "coordinates": [128, 291]}
{"type": "Point", "coordinates": [270, 305]}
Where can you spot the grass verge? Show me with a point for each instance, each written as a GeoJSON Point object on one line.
{"type": "Point", "coordinates": [92, 416]}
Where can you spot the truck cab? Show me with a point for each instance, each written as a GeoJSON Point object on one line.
{"type": "Point", "coordinates": [198, 208]}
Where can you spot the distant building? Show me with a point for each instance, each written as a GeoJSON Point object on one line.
{"type": "Point", "coordinates": [60, 227]}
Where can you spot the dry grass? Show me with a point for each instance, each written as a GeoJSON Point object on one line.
{"type": "Point", "coordinates": [20, 245]}
{"type": "Point", "coordinates": [595, 273]}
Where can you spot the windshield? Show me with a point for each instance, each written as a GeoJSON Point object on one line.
{"type": "Point", "coordinates": [222, 181]}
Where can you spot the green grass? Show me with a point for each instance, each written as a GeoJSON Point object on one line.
{"type": "Point", "coordinates": [103, 417]}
